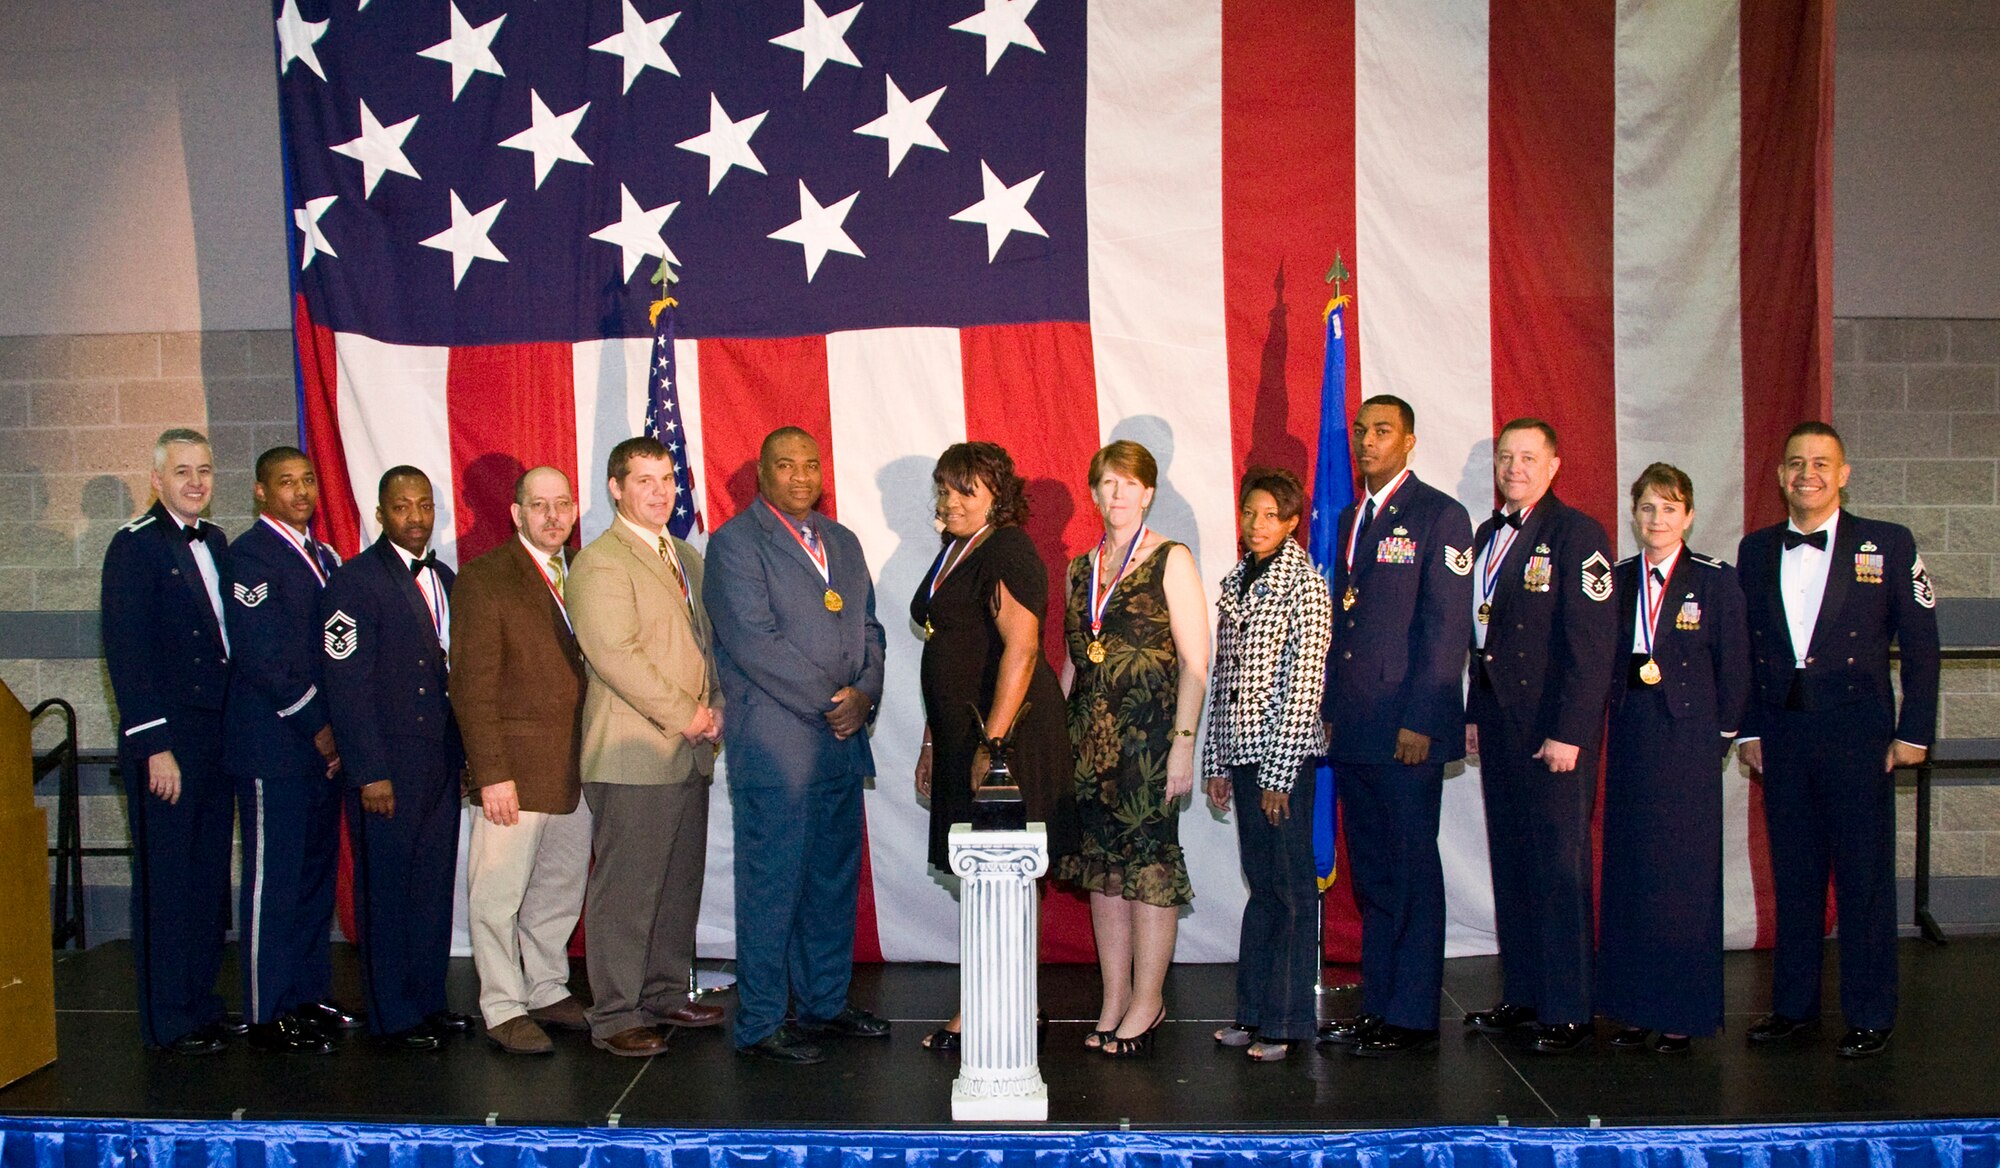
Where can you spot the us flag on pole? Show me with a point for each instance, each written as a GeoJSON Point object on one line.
{"type": "Point", "coordinates": [663, 419]}
{"type": "Point", "coordinates": [1049, 223]}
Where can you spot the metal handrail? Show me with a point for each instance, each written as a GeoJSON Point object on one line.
{"type": "Point", "coordinates": [68, 853]}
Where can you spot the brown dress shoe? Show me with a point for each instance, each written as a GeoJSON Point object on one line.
{"type": "Point", "coordinates": [520, 1035]}
{"type": "Point", "coordinates": [638, 1042]}
{"type": "Point", "coordinates": [564, 1015]}
{"type": "Point", "coordinates": [693, 1016]}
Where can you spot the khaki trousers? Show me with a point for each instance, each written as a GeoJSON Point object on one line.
{"type": "Point", "coordinates": [524, 891]}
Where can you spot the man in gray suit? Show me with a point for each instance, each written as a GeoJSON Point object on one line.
{"type": "Point", "coordinates": [799, 653]}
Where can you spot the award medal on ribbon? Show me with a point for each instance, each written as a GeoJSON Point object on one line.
{"type": "Point", "coordinates": [1100, 603]}
{"type": "Point", "coordinates": [946, 563]}
{"type": "Point", "coordinates": [1868, 564]}
{"type": "Point", "coordinates": [815, 551]}
{"type": "Point", "coordinates": [1650, 671]}
{"type": "Point", "coordinates": [1489, 577]}
{"type": "Point", "coordinates": [1348, 598]}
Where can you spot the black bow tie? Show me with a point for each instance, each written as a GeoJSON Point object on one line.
{"type": "Point", "coordinates": [192, 532]}
{"type": "Point", "coordinates": [1503, 519]}
{"type": "Point", "coordinates": [1794, 539]}
{"type": "Point", "coordinates": [428, 560]}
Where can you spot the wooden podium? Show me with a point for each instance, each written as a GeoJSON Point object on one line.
{"type": "Point", "coordinates": [27, 963]}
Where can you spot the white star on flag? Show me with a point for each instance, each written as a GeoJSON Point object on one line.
{"type": "Point", "coordinates": [296, 38]}
{"type": "Point", "coordinates": [1002, 23]}
{"type": "Point", "coordinates": [466, 238]}
{"type": "Point", "coordinates": [821, 38]}
{"type": "Point", "coordinates": [637, 232]}
{"type": "Point", "coordinates": [550, 137]}
{"type": "Point", "coordinates": [641, 44]}
{"type": "Point", "coordinates": [467, 50]}
{"type": "Point", "coordinates": [306, 219]}
{"type": "Point", "coordinates": [818, 229]}
{"type": "Point", "coordinates": [379, 149]}
{"type": "Point", "coordinates": [1003, 209]}
{"type": "Point", "coordinates": [727, 143]}
{"type": "Point", "coordinates": [907, 123]}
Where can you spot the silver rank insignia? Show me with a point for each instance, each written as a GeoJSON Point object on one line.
{"type": "Point", "coordinates": [1597, 577]}
{"type": "Point", "coordinates": [251, 597]}
{"type": "Point", "coordinates": [1459, 562]}
{"type": "Point", "coordinates": [343, 636]}
{"type": "Point", "coordinates": [1921, 586]}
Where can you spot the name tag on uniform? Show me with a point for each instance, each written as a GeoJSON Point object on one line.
{"type": "Point", "coordinates": [1689, 617]}
{"type": "Point", "coordinates": [1397, 548]}
{"type": "Point", "coordinates": [1538, 574]}
{"type": "Point", "coordinates": [1868, 564]}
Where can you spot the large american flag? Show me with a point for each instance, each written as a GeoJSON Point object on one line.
{"type": "Point", "coordinates": [901, 223]}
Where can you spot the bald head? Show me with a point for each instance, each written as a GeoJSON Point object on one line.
{"type": "Point", "coordinates": [544, 508]}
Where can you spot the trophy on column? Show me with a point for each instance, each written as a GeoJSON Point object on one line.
{"type": "Point", "coordinates": [996, 801]}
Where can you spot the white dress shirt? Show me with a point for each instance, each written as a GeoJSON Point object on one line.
{"type": "Point", "coordinates": [1501, 544]}
{"type": "Point", "coordinates": [204, 562]}
{"type": "Point", "coordinates": [1802, 585]}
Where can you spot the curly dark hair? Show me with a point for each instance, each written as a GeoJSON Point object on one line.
{"type": "Point", "coordinates": [1282, 485]}
{"type": "Point", "coordinates": [964, 463]}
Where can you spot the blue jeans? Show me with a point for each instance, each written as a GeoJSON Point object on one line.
{"type": "Point", "coordinates": [1277, 959]}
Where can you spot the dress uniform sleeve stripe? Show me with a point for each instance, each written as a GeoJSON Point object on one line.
{"type": "Point", "coordinates": [312, 691]}
{"type": "Point", "coordinates": [143, 726]}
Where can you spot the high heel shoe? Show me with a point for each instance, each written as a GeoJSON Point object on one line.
{"type": "Point", "coordinates": [1139, 1045]}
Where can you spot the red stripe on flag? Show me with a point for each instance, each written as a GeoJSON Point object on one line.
{"type": "Point", "coordinates": [750, 387]}
{"type": "Point", "coordinates": [1287, 208]}
{"type": "Point", "coordinates": [339, 517]}
{"type": "Point", "coordinates": [510, 407]}
{"type": "Point", "coordinates": [1028, 388]}
{"type": "Point", "coordinates": [1551, 120]}
{"type": "Point", "coordinates": [1786, 64]}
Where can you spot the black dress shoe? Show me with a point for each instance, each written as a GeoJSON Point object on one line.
{"type": "Point", "coordinates": [784, 1045]}
{"type": "Point", "coordinates": [1859, 1042]}
{"type": "Point", "coordinates": [1561, 1037]}
{"type": "Point", "coordinates": [329, 1017]}
{"type": "Point", "coordinates": [206, 1040]}
{"type": "Point", "coordinates": [1672, 1044]}
{"type": "Point", "coordinates": [1387, 1041]}
{"type": "Point", "coordinates": [415, 1038]}
{"type": "Point", "coordinates": [290, 1035]}
{"type": "Point", "coordinates": [447, 1022]}
{"type": "Point", "coordinates": [233, 1025]}
{"type": "Point", "coordinates": [1501, 1019]}
{"type": "Point", "coordinates": [1631, 1038]}
{"type": "Point", "coordinates": [1348, 1031]}
{"type": "Point", "coordinates": [854, 1022]}
{"type": "Point", "coordinates": [1778, 1028]}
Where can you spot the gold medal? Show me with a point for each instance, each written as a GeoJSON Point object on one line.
{"type": "Point", "coordinates": [1348, 598]}
{"type": "Point", "coordinates": [928, 630]}
{"type": "Point", "coordinates": [1650, 672]}
{"type": "Point", "coordinates": [1095, 652]}
{"type": "Point", "coordinates": [1486, 613]}
{"type": "Point", "coordinates": [833, 601]}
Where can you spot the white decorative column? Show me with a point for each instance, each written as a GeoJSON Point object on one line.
{"type": "Point", "coordinates": [999, 924]}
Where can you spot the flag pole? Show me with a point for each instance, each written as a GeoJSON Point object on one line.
{"type": "Point", "coordinates": [1333, 490]}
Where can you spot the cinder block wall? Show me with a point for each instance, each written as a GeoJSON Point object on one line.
{"type": "Point", "coordinates": [1919, 402]}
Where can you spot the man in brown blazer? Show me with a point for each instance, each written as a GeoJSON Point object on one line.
{"type": "Point", "coordinates": [652, 713]}
{"type": "Point", "coordinates": [517, 688]}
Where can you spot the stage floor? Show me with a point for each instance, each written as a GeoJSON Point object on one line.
{"type": "Point", "coordinates": [1944, 1062]}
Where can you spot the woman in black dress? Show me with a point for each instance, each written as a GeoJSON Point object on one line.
{"type": "Point", "coordinates": [1675, 704]}
{"type": "Point", "coordinates": [980, 607]}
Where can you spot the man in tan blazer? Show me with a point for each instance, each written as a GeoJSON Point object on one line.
{"type": "Point", "coordinates": [652, 713]}
{"type": "Point", "coordinates": [517, 688]}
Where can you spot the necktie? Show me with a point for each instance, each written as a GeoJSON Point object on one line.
{"type": "Point", "coordinates": [667, 555]}
{"type": "Point", "coordinates": [1368, 514]}
{"type": "Point", "coordinates": [556, 573]}
{"type": "Point", "coordinates": [810, 537]}
{"type": "Point", "coordinates": [1658, 579]}
{"type": "Point", "coordinates": [192, 532]}
{"type": "Point", "coordinates": [1793, 539]}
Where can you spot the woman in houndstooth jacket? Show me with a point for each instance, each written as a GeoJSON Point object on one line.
{"type": "Point", "coordinates": [1264, 731]}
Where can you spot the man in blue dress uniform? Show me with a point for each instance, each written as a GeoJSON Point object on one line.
{"type": "Point", "coordinates": [799, 654]}
{"type": "Point", "coordinates": [385, 628]}
{"type": "Point", "coordinates": [1543, 643]}
{"type": "Point", "coordinates": [167, 649]}
{"type": "Point", "coordinates": [279, 751]}
{"type": "Point", "coordinates": [1395, 712]}
{"type": "Point", "coordinates": [1827, 592]}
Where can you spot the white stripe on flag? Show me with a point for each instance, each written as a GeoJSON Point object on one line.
{"type": "Point", "coordinates": [393, 410]}
{"type": "Point", "coordinates": [1424, 263]}
{"type": "Point", "coordinates": [897, 399]}
{"type": "Point", "coordinates": [1677, 304]}
{"type": "Point", "coordinates": [1153, 152]}
{"type": "Point", "coordinates": [610, 378]}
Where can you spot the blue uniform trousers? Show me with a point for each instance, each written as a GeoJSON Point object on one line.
{"type": "Point", "coordinates": [404, 869]}
{"type": "Point", "coordinates": [1390, 813]}
{"type": "Point", "coordinates": [180, 880]}
{"type": "Point", "coordinates": [291, 852]}
{"type": "Point", "coordinates": [1538, 837]}
{"type": "Point", "coordinates": [1277, 958]}
{"type": "Point", "coordinates": [1829, 806]}
{"type": "Point", "coordinates": [798, 871]}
